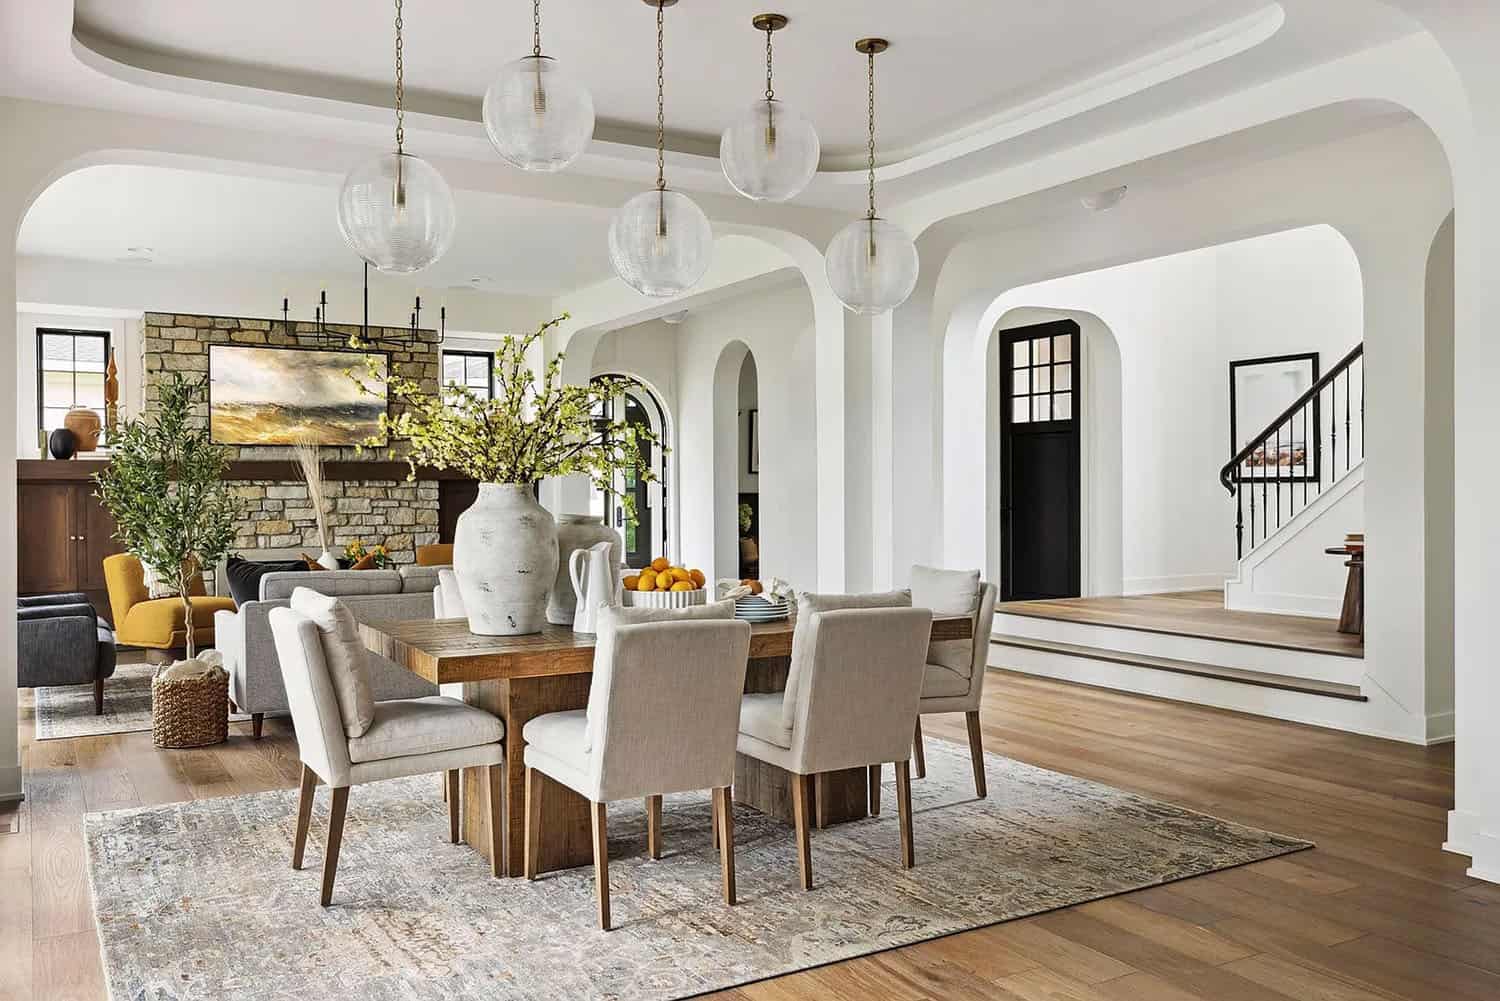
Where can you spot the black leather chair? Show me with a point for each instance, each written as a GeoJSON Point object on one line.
{"type": "Point", "coordinates": [62, 641]}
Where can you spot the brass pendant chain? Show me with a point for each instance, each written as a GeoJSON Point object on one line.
{"type": "Point", "coordinates": [536, 28]}
{"type": "Point", "coordinates": [400, 87]}
{"type": "Point", "coordinates": [872, 133]}
{"type": "Point", "coordinates": [661, 113]}
{"type": "Point", "coordinates": [770, 93]}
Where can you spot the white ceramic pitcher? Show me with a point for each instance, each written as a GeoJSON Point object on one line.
{"type": "Point", "coordinates": [594, 582]}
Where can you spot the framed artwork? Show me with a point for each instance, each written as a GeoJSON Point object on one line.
{"type": "Point", "coordinates": [1260, 390]}
{"type": "Point", "coordinates": [285, 395]}
{"type": "Point", "coordinates": [754, 443]}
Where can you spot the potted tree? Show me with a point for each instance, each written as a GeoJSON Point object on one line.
{"type": "Point", "coordinates": [535, 426]}
{"type": "Point", "coordinates": [164, 486]}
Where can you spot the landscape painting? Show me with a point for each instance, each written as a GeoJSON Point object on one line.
{"type": "Point", "coordinates": [282, 396]}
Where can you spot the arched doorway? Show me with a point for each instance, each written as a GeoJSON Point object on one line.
{"type": "Point", "coordinates": [646, 535]}
{"type": "Point", "coordinates": [747, 514]}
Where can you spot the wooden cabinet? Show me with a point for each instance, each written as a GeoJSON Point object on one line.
{"type": "Point", "coordinates": [63, 533]}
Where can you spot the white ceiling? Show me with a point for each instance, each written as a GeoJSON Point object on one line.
{"type": "Point", "coordinates": [950, 65]}
{"type": "Point", "coordinates": [196, 220]}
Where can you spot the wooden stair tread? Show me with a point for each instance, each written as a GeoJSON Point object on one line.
{"type": "Point", "coordinates": [1307, 686]}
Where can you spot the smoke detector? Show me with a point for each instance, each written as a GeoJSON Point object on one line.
{"type": "Point", "coordinates": [1103, 201]}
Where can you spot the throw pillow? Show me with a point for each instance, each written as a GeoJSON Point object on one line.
{"type": "Point", "coordinates": [244, 575]}
{"type": "Point", "coordinates": [345, 655]}
{"type": "Point", "coordinates": [947, 592]}
{"type": "Point", "coordinates": [365, 563]}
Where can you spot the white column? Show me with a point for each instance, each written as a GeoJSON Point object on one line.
{"type": "Point", "coordinates": [10, 758]}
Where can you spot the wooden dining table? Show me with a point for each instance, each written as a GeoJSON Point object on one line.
{"type": "Point", "coordinates": [521, 677]}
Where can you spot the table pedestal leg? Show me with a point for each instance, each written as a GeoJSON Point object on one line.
{"type": "Point", "coordinates": [565, 827]}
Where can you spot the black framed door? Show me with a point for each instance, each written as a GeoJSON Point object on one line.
{"type": "Point", "coordinates": [1040, 492]}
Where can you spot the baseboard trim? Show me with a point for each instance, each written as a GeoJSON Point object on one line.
{"type": "Point", "coordinates": [1441, 729]}
{"type": "Point", "coordinates": [1180, 582]}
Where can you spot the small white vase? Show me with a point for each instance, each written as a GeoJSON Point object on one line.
{"type": "Point", "coordinates": [328, 561]}
{"type": "Point", "coordinates": [505, 559]}
{"type": "Point", "coordinates": [574, 532]}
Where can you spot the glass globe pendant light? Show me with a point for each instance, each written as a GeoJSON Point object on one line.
{"type": "Point", "coordinates": [660, 242]}
{"type": "Point", "coordinates": [395, 210]}
{"type": "Point", "coordinates": [771, 152]}
{"type": "Point", "coordinates": [871, 263]}
{"type": "Point", "coordinates": [538, 116]}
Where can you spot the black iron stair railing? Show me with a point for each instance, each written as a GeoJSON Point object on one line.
{"type": "Point", "coordinates": [1295, 451]}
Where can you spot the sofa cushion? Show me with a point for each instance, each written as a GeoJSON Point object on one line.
{"type": "Point", "coordinates": [345, 655]}
{"type": "Point", "coordinates": [244, 575]}
{"type": "Point", "coordinates": [337, 583]}
{"type": "Point", "coordinates": [555, 742]}
{"type": "Point", "coordinates": [427, 725]}
{"type": "Point", "coordinates": [948, 592]}
{"type": "Point", "coordinates": [419, 578]}
{"type": "Point", "coordinates": [760, 717]}
{"type": "Point", "coordinates": [158, 624]}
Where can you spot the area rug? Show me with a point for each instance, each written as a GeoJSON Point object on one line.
{"type": "Point", "coordinates": [68, 710]}
{"type": "Point", "coordinates": [198, 899]}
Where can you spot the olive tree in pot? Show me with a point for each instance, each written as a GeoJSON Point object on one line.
{"type": "Point", "coordinates": [535, 426]}
{"type": "Point", "coordinates": [164, 486]}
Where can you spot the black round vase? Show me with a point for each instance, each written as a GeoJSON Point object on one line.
{"type": "Point", "coordinates": [62, 443]}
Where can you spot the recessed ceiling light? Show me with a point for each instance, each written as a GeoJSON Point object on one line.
{"type": "Point", "coordinates": [1103, 201]}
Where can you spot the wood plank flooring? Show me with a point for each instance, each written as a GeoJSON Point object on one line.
{"type": "Point", "coordinates": [1377, 912]}
{"type": "Point", "coordinates": [1194, 613]}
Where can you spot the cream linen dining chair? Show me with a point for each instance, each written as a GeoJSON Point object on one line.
{"type": "Point", "coordinates": [850, 701]}
{"type": "Point", "coordinates": [345, 738]}
{"type": "Point", "coordinates": [954, 678]}
{"type": "Point", "coordinates": [661, 716]}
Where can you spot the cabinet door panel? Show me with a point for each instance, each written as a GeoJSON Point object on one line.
{"type": "Point", "coordinates": [46, 551]}
{"type": "Point", "coordinates": [98, 530]}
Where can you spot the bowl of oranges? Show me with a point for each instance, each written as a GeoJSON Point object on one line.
{"type": "Point", "coordinates": [662, 585]}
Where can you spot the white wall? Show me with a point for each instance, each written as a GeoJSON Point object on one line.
{"type": "Point", "coordinates": [1178, 321]}
{"type": "Point", "coordinates": [749, 399]}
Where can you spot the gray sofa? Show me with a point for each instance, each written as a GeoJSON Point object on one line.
{"type": "Point", "coordinates": [60, 640]}
{"type": "Point", "coordinates": [244, 635]}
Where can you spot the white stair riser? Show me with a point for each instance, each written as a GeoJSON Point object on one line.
{"type": "Point", "coordinates": [1216, 653]}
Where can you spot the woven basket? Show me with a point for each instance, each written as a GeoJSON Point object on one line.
{"type": "Point", "coordinates": [190, 712]}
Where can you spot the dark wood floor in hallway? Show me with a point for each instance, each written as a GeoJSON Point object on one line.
{"type": "Point", "coordinates": [1376, 911]}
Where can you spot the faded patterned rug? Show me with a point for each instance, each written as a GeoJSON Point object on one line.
{"type": "Point", "coordinates": [64, 711]}
{"type": "Point", "coordinates": [198, 899]}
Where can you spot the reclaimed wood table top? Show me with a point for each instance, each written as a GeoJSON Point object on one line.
{"type": "Point", "coordinates": [443, 651]}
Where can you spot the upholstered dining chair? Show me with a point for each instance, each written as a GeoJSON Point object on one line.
{"type": "Point", "coordinates": [345, 738]}
{"type": "Point", "coordinates": [661, 715]}
{"type": "Point", "coordinates": [954, 677]}
{"type": "Point", "coordinates": [850, 701]}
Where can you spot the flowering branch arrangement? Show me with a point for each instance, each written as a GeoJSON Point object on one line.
{"type": "Point", "coordinates": [535, 426]}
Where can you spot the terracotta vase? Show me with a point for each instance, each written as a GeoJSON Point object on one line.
{"type": "Point", "coordinates": [505, 558]}
{"type": "Point", "coordinates": [85, 425]}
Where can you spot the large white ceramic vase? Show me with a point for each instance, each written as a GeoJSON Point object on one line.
{"type": "Point", "coordinates": [505, 558]}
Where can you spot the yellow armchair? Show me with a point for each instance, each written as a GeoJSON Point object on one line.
{"type": "Point", "coordinates": [155, 623]}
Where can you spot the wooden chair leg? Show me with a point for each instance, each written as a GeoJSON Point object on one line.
{"type": "Point", "coordinates": [443, 781]}
{"type": "Point", "coordinates": [533, 853]}
{"type": "Point", "coordinates": [496, 776]}
{"type": "Point", "coordinates": [452, 797]}
{"type": "Point", "coordinates": [601, 862]}
{"type": "Point", "coordinates": [976, 754]}
{"type": "Point", "coordinates": [335, 839]}
{"type": "Point", "coordinates": [919, 755]}
{"type": "Point", "coordinates": [724, 810]}
{"type": "Point", "coordinates": [714, 820]}
{"type": "Point", "coordinates": [653, 826]}
{"type": "Point", "coordinates": [875, 790]}
{"type": "Point", "coordinates": [305, 794]}
{"type": "Point", "coordinates": [903, 807]}
{"type": "Point", "coordinates": [256, 721]}
{"type": "Point", "coordinates": [799, 814]}
{"type": "Point", "coordinates": [98, 696]}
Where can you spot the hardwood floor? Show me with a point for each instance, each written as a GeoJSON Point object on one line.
{"type": "Point", "coordinates": [1194, 613]}
{"type": "Point", "coordinates": [1376, 911]}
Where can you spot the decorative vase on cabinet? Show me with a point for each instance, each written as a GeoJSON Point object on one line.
{"type": "Point", "coordinates": [574, 532]}
{"type": "Point", "coordinates": [505, 557]}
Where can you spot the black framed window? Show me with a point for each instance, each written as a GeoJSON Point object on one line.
{"type": "Point", "coordinates": [1041, 379]}
{"type": "Point", "coordinates": [474, 370]}
{"type": "Point", "coordinates": [70, 373]}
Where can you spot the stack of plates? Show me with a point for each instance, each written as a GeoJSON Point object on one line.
{"type": "Point", "coordinates": [756, 608]}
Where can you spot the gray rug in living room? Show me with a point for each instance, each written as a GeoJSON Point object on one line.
{"type": "Point", "coordinates": [68, 710]}
{"type": "Point", "coordinates": [198, 899]}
